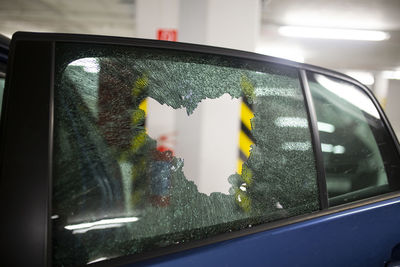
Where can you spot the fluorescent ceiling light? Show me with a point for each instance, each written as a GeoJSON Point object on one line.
{"type": "Point", "coordinates": [332, 149]}
{"type": "Point", "coordinates": [364, 77]}
{"type": "Point", "coordinates": [299, 146]}
{"type": "Point", "coordinates": [97, 260]}
{"type": "Point", "coordinates": [325, 127]}
{"type": "Point", "coordinates": [291, 122]}
{"type": "Point", "coordinates": [274, 91]}
{"type": "Point", "coordinates": [392, 75]}
{"type": "Point", "coordinates": [97, 227]}
{"type": "Point", "coordinates": [348, 93]}
{"type": "Point", "coordinates": [296, 122]}
{"type": "Point", "coordinates": [89, 64]}
{"type": "Point", "coordinates": [102, 222]}
{"type": "Point", "coordinates": [329, 18]}
{"type": "Point", "coordinates": [330, 33]}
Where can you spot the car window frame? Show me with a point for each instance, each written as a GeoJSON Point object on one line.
{"type": "Point", "coordinates": [386, 124]}
{"type": "Point", "coordinates": [43, 71]}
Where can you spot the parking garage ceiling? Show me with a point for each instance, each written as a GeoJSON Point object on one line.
{"type": "Point", "coordinates": [117, 17]}
{"type": "Point", "coordinates": [338, 54]}
{"type": "Point", "coordinates": [108, 17]}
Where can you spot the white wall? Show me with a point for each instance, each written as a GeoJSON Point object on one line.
{"type": "Point", "coordinates": [392, 105]}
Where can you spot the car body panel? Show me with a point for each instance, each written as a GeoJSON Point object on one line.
{"type": "Point", "coordinates": [364, 236]}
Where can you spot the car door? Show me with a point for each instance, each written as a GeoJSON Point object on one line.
{"type": "Point", "coordinates": [272, 162]}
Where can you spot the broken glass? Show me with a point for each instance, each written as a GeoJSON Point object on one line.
{"type": "Point", "coordinates": [117, 191]}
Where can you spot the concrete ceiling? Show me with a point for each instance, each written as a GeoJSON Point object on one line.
{"type": "Point", "coordinates": [117, 17]}
{"type": "Point", "coordinates": [337, 54]}
{"type": "Point", "coordinates": [108, 17]}
{"type": "Point", "coordinates": [362, 14]}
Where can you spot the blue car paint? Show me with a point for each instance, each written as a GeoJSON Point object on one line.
{"type": "Point", "coordinates": [364, 236]}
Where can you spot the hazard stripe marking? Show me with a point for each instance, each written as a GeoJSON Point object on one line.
{"type": "Point", "coordinates": [143, 106]}
{"type": "Point", "coordinates": [244, 143]}
{"type": "Point", "coordinates": [246, 115]}
{"type": "Point", "coordinates": [239, 166]}
{"type": "Point", "coordinates": [247, 132]}
{"type": "Point", "coordinates": [246, 138]}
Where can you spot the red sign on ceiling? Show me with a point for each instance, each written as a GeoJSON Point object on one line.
{"type": "Point", "coordinates": [167, 35]}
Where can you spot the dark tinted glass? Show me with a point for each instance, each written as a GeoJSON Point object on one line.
{"type": "Point", "coordinates": [360, 157]}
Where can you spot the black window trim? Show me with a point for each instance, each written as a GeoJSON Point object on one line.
{"type": "Point", "coordinates": [44, 175]}
{"type": "Point", "coordinates": [315, 140]}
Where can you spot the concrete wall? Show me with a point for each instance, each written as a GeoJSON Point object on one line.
{"type": "Point", "coordinates": [392, 105]}
{"type": "Point", "coordinates": [208, 139]}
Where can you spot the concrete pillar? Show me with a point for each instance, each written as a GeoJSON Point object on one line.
{"type": "Point", "coordinates": [226, 23]}
{"type": "Point", "coordinates": [380, 88]}
{"type": "Point", "coordinates": [388, 94]}
{"type": "Point", "coordinates": [208, 139]}
{"type": "Point", "coordinates": [152, 15]}
{"type": "Point", "coordinates": [392, 105]}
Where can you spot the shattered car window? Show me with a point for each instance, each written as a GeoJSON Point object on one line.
{"type": "Point", "coordinates": [155, 148]}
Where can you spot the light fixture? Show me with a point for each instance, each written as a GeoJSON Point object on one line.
{"type": "Point", "coordinates": [97, 227]}
{"type": "Point", "coordinates": [97, 260]}
{"type": "Point", "coordinates": [331, 33]}
{"type": "Point", "coordinates": [392, 75]}
{"type": "Point", "coordinates": [348, 93]}
{"type": "Point", "coordinates": [332, 149]}
{"type": "Point", "coordinates": [325, 127]}
{"type": "Point", "coordinates": [299, 146]}
{"type": "Point", "coordinates": [296, 122]}
{"type": "Point", "coordinates": [291, 122]}
{"type": "Point", "coordinates": [89, 64]}
{"type": "Point", "coordinates": [114, 221]}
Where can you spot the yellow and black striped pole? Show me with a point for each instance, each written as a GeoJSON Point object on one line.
{"type": "Point", "coordinates": [245, 136]}
{"type": "Point", "coordinates": [122, 107]}
{"type": "Point", "coordinates": [246, 114]}
{"type": "Point", "coordinates": [246, 140]}
{"type": "Point", "coordinates": [138, 157]}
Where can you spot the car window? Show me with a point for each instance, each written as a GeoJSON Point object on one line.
{"type": "Point", "coordinates": [358, 152]}
{"type": "Point", "coordinates": [121, 186]}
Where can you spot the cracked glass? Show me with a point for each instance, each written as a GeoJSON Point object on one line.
{"type": "Point", "coordinates": [156, 148]}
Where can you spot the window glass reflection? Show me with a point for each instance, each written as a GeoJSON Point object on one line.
{"type": "Point", "coordinates": [353, 141]}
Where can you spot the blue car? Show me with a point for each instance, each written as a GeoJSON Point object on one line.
{"type": "Point", "coordinates": [130, 152]}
